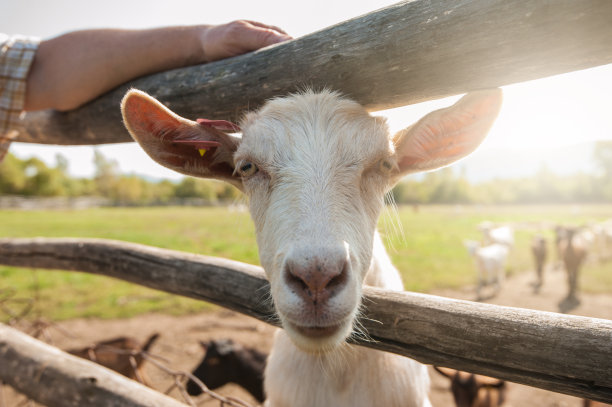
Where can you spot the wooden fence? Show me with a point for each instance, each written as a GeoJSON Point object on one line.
{"type": "Point", "coordinates": [407, 53]}
{"type": "Point", "coordinates": [562, 353]}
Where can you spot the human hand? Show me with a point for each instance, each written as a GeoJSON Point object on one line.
{"type": "Point", "coordinates": [239, 37]}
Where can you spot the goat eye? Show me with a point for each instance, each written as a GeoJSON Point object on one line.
{"type": "Point", "coordinates": [385, 166]}
{"type": "Point", "coordinates": [247, 169]}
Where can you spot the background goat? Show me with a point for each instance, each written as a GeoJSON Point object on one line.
{"type": "Point", "coordinates": [540, 253]}
{"type": "Point", "coordinates": [315, 167]}
{"type": "Point", "coordinates": [496, 234]}
{"type": "Point", "coordinates": [228, 362]}
{"type": "Point", "coordinates": [123, 355]}
{"type": "Point", "coordinates": [490, 264]}
{"type": "Point", "coordinates": [573, 248]}
{"type": "Point", "coordinates": [470, 390]}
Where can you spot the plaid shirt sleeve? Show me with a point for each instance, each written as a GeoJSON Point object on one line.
{"type": "Point", "coordinates": [16, 56]}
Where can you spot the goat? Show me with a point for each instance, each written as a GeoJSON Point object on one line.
{"type": "Point", "coordinates": [123, 355]}
{"type": "Point", "coordinates": [490, 264]}
{"type": "Point", "coordinates": [573, 249]}
{"type": "Point", "coordinates": [540, 253]}
{"type": "Point", "coordinates": [470, 390]}
{"type": "Point", "coordinates": [603, 240]}
{"type": "Point", "coordinates": [315, 167]}
{"type": "Point", "coordinates": [496, 234]}
{"type": "Point", "coordinates": [228, 362]}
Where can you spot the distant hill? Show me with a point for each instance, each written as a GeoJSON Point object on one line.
{"type": "Point", "coordinates": [487, 164]}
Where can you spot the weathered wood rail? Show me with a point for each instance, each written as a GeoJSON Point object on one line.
{"type": "Point", "coordinates": [406, 53]}
{"type": "Point", "coordinates": [58, 379]}
{"type": "Point", "coordinates": [562, 353]}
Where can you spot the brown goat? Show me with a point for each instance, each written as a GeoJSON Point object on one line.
{"type": "Point", "coordinates": [470, 390]}
{"type": "Point", "coordinates": [228, 362]}
{"type": "Point", "coordinates": [560, 238]}
{"type": "Point", "coordinates": [123, 355]}
{"type": "Point", "coordinates": [573, 250]}
{"type": "Point", "coordinates": [540, 253]}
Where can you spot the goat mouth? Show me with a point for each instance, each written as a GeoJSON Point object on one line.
{"type": "Point", "coordinates": [317, 331]}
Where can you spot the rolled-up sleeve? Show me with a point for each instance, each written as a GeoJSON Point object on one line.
{"type": "Point", "coordinates": [16, 56]}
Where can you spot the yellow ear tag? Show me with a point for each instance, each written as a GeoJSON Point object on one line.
{"type": "Point", "coordinates": [202, 151]}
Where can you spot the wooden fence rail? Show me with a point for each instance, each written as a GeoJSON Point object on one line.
{"type": "Point", "coordinates": [58, 379]}
{"type": "Point", "coordinates": [406, 53]}
{"type": "Point", "coordinates": [562, 353]}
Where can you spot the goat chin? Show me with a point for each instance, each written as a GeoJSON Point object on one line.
{"type": "Point", "coordinates": [319, 341]}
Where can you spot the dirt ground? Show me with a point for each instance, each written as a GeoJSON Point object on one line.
{"type": "Point", "coordinates": [180, 336]}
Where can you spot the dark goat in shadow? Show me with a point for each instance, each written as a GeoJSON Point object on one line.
{"type": "Point", "coordinates": [470, 390]}
{"type": "Point", "coordinates": [228, 362]}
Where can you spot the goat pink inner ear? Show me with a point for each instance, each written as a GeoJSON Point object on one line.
{"type": "Point", "coordinates": [146, 117]}
{"type": "Point", "coordinates": [222, 125]}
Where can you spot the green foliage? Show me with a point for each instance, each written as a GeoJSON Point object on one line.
{"type": "Point", "coordinates": [12, 175]}
{"type": "Point", "coordinates": [32, 177]}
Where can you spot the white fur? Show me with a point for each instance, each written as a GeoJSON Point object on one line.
{"type": "Point", "coordinates": [490, 264]}
{"type": "Point", "coordinates": [497, 234]}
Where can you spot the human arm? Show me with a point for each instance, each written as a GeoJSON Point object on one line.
{"type": "Point", "coordinates": [74, 68]}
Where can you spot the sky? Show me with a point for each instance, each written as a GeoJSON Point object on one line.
{"type": "Point", "coordinates": [538, 115]}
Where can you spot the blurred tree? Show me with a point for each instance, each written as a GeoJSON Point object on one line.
{"type": "Point", "coordinates": [162, 192]}
{"type": "Point", "coordinates": [105, 175]}
{"type": "Point", "coordinates": [130, 190]}
{"type": "Point", "coordinates": [12, 176]}
{"type": "Point", "coordinates": [42, 180]}
{"type": "Point", "coordinates": [602, 154]}
{"type": "Point", "coordinates": [225, 192]}
{"type": "Point", "coordinates": [603, 158]}
{"type": "Point", "coordinates": [191, 187]}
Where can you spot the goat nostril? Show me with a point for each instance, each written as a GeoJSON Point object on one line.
{"type": "Point", "coordinates": [338, 280]}
{"type": "Point", "coordinates": [294, 280]}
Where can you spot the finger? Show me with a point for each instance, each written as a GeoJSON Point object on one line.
{"type": "Point", "coordinates": [271, 27]}
{"type": "Point", "coordinates": [259, 37]}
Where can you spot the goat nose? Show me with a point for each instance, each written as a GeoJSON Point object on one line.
{"type": "Point", "coordinates": [317, 277]}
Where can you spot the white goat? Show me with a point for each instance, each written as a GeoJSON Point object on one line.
{"type": "Point", "coordinates": [602, 244]}
{"type": "Point", "coordinates": [496, 234]}
{"type": "Point", "coordinates": [315, 167]}
{"type": "Point", "coordinates": [490, 264]}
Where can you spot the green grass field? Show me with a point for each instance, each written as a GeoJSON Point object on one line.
{"type": "Point", "coordinates": [426, 245]}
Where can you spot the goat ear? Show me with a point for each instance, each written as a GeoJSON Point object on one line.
{"type": "Point", "coordinates": [447, 135]}
{"type": "Point", "coordinates": [201, 149]}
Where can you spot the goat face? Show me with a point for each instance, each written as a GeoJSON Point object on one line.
{"type": "Point", "coordinates": [315, 167]}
